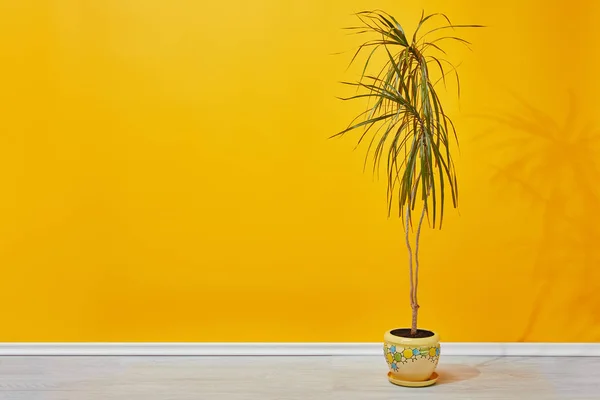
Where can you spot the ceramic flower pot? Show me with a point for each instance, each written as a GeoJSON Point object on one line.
{"type": "Point", "coordinates": [412, 361]}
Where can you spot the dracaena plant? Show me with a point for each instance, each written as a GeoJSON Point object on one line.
{"type": "Point", "coordinates": [405, 123]}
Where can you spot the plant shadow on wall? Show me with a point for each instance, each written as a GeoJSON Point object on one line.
{"type": "Point", "coordinates": [553, 165]}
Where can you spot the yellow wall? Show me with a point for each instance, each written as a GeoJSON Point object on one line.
{"type": "Point", "coordinates": [165, 176]}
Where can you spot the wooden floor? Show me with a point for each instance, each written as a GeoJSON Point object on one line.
{"type": "Point", "coordinates": [307, 378]}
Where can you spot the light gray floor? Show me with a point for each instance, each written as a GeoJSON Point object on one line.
{"type": "Point", "coordinates": [307, 378]}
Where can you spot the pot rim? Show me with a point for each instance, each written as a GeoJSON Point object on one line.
{"type": "Point", "coordinates": [428, 341]}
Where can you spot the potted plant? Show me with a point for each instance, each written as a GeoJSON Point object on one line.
{"type": "Point", "coordinates": [404, 122]}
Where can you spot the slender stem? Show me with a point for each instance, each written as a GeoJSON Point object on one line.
{"type": "Point", "coordinates": [415, 314]}
{"type": "Point", "coordinates": [415, 301]}
{"type": "Point", "coordinates": [410, 254]}
{"type": "Point", "coordinates": [417, 253]}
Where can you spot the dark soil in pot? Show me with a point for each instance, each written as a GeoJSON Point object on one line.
{"type": "Point", "coordinates": [405, 333]}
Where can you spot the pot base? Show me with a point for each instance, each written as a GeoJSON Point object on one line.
{"type": "Point", "coordinates": [433, 379]}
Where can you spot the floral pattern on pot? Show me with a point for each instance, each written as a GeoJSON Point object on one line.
{"type": "Point", "coordinates": [395, 355]}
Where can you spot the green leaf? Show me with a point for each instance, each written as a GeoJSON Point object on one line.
{"type": "Point", "coordinates": [369, 121]}
{"type": "Point", "coordinates": [421, 22]}
{"type": "Point", "coordinates": [451, 27]}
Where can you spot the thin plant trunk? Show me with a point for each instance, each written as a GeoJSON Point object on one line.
{"type": "Point", "coordinates": [413, 330]}
{"type": "Point", "coordinates": [415, 303]}
{"type": "Point", "coordinates": [413, 274]}
{"type": "Point", "coordinates": [414, 284]}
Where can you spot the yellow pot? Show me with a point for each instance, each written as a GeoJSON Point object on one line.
{"type": "Point", "coordinates": [412, 361]}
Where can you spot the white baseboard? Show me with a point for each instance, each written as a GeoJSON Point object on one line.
{"type": "Point", "coordinates": [287, 349]}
